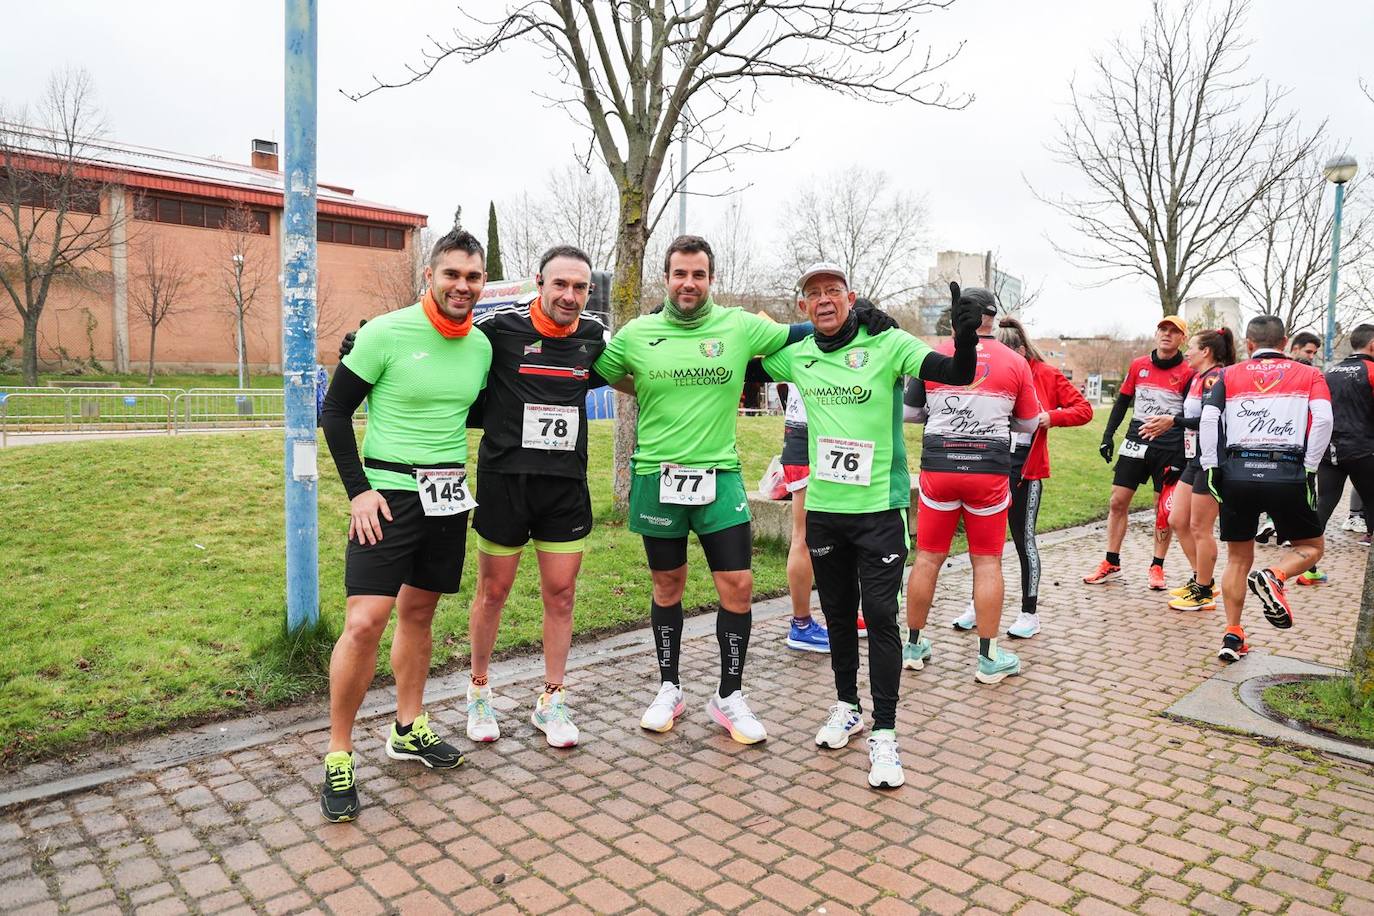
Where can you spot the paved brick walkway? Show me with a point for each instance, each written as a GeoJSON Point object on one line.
{"type": "Point", "coordinates": [1062, 789]}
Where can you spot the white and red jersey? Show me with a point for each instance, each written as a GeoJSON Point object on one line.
{"type": "Point", "coordinates": [1158, 392]}
{"type": "Point", "coordinates": [968, 427]}
{"type": "Point", "coordinates": [1266, 419]}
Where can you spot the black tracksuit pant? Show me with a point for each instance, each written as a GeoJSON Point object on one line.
{"type": "Point", "coordinates": [862, 555]}
{"type": "Point", "coordinates": [1331, 484]}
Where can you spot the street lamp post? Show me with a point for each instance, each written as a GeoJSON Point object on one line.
{"type": "Point", "coordinates": [1338, 170]}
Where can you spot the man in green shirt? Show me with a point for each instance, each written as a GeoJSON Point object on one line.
{"type": "Point", "coordinates": [859, 492]}
{"type": "Point", "coordinates": [420, 369]}
{"type": "Point", "coordinates": [688, 361]}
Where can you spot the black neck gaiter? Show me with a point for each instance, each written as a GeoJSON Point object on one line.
{"type": "Point", "coordinates": [842, 337]}
{"type": "Point", "coordinates": [1166, 363]}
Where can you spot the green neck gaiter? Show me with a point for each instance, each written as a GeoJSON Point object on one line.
{"type": "Point", "coordinates": [683, 320]}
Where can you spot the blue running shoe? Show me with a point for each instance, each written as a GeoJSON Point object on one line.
{"type": "Point", "coordinates": [810, 638]}
{"type": "Point", "coordinates": [990, 671]}
{"type": "Point", "coordinates": [914, 656]}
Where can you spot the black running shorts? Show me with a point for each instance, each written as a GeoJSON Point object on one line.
{"type": "Point", "coordinates": [515, 508]}
{"type": "Point", "coordinates": [422, 551]}
{"type": "Point", "coordinates": [1292, 506]}
{"type": "Point", "coordinates": [1159, 465]}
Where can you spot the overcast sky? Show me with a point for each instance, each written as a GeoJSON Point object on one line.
{"type": "Point", "coordinates": [207, 78]}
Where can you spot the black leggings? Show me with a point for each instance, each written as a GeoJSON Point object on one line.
{"type": "Point", "coordinates": [1331, 484]}
{"type": "Point", "coordinates": [1022, 519]}
{"type": "Point", "coordinates": [728, 550]}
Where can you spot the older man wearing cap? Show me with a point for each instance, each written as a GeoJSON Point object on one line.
{"type": "Point", "coordinates": [1153, 448]}
{"type": "Point", "coordinates": [860, 488]}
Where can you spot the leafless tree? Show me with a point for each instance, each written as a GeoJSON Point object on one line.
{"type": "Point", "coordinates": [244, 271]}
{"type": "Point", "coordinates": [1108, 355]}
{"type": "Point", "coordinates": [1286, 268]}
{"type": "Point", "coordinates": [642, 73]}
{"type": "Point", "coordinates": [855, 218]}
{"type": "Point", "coordinates": [740, 277]}
{"type": "Point", "coordinates": [399, 281]}
{"type": "Point", "coordinates": [524, 234]}
{"type": "Point", "coordinates": [157, 289]}
{"type": "Point", "coordinates": [581, 211]}
{"type": "Point", "coordinates": [52, 229]}
{"type": "Point", "coordinates": [1177, 145]}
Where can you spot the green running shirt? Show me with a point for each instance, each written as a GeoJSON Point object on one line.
{"type": "Point", "coordinates": [854, 394]}
{"type": "Point", "coordinates": [688, 382]}
{"type": "Point", "coordinates": [422, 386]}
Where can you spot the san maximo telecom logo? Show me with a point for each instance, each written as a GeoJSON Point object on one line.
{"type": "Point", "coordinates": [838, 394]}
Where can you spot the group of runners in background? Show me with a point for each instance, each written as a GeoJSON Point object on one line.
{"type": "Point", "coordinates": [522, 373]}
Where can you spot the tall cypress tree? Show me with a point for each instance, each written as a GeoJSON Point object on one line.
{"type": "Point", "coordinates": [494, 269]}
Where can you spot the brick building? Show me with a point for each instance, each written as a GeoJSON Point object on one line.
{"type": "Point", "coordinates": [181, 205]}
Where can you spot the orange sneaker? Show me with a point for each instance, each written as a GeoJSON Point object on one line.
{"type": "Point", "coordinates": [1267, 584]}
{"type": "Point", "coordinates": [1105, 572]}
{"type": "Point", "coordinates": [1156, 578]}
{"type": "Point", "coordinates": [1233, 645]}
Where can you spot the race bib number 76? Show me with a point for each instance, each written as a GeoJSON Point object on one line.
{"type": "Point", "coordinates": [847, 461]}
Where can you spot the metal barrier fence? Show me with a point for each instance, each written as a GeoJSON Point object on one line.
{"type": "Point", "coordinates": [231, 408]}
{"type": "Point", "coordinates": [80, 410]}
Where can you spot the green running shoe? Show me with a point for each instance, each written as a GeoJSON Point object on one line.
{"type": "Point", "coordinates": [423, 745]}
{"type": "Point", "coordinates": [339, 796]}
{"type": "Point", "coordinates": [914, 656]}
{"type": "Point", "coordinates": [990, 671]}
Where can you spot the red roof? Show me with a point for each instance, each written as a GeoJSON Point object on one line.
{"type": "Point", "coordinates": [177, 173]}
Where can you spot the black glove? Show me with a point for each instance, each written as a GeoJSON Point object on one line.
{"type": "Point", "coordinates": [1312, 489]}
{"type": "Point", "coordinates": [1105, 449]}
{"type": "Point", "coordinates": [965, 317]}
{"type": "Point", "coordinates": [346, 346]}
{"type": "Point", "coordinates": [875, 320]}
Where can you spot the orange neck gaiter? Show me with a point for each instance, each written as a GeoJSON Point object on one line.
{"type": "Point", "coordinates": [545, 325]}
{"type": "Point", "coordinates": [442, 323]}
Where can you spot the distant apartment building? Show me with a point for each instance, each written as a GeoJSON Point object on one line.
{"type": "Point", "coordinates": [1204, 312]}
{"type": "Point", "coordinates": [966, 269]}
{"type": "Point", "coordinates": [180, 205]}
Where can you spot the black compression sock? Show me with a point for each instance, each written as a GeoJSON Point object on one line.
{"type": "Point", "coordinates": [667, 624]}
{"type": "Point", "coordinates": [987, 647]}
{"type": "Point", "coordinates": [732, 632]}
{"type": "Point", "coordinates": [1114, 558]}
{"type": "Point", "coordinates": [1157, 561]}
{"type": "Point", "coordinates": [403, 729]}
{"type": "Point", "coordinates": [913, 637]}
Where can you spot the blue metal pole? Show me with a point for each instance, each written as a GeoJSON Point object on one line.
{"type": "Point", "coordinates": [1335, 267]}
{"type": "Point", "coordinates": [298, 317]}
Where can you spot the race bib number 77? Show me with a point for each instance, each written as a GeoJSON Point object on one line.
{"type": "Point", "coordinates": [682, 486]}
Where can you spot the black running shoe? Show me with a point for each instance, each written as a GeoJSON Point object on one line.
{"type": "Point", "coordinates": [1233, 645]}
{"type": "Point", "coordinates": [339, 796]}
{"type": "Point", "coordinates": [421, 744]}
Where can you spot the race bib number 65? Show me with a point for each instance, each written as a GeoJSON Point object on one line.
{"type": "Point", "coordinates": [848, 461]}
{"type": "Point", "coordinates": [1130, 448]}
{"type": "Point", "coordinates": [681, 486]}
{"type": "Point", "coordinates": [444, 491]}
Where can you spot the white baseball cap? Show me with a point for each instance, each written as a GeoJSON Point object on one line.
{"type": "Point", "coordinates": [822, 267]}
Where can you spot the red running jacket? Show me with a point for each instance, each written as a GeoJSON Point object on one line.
{"type": "Point", "coordinates": [1067, 407]}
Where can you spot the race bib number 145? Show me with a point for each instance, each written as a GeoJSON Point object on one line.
{"type": "Point", "coordinates": [444, 491]}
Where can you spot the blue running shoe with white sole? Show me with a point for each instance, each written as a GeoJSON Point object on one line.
{"type": "Point", "coordinates": [809, 638]}
{"type": "Point", "coordinates": [914, 656]}
{"type": "Point", "coordinates": [990, 671]}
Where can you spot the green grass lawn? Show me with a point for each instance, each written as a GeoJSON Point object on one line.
{"type": "Point", "coordinates": [144, 578]}
{"type": "Point", "coordinates": [1328, 704]}
{"type": "Point", "coordinates": [183, 380]}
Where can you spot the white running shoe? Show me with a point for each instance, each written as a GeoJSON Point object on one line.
{"type": "Point", "coordinates": [884, 764]}
{"type": "Point", "coordinates": [481, 717]}
{"type": "Point", "coordinates": [965, 621]}
{"type": "Point", "coordinates": [844, 722]}
{"type": "Point", "coordinates": [734, 715]}
{"type": "Point", "coordinates": [665, 708]}
{"type": "Point", "coordinates": [550, 716]}
{"type": "Point", "coordinates": [1026, 626]}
